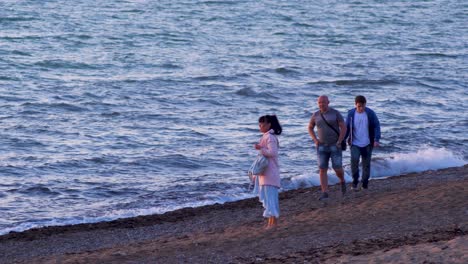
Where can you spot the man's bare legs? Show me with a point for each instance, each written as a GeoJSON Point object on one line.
{"type": "Point", "coordinates": [340, 175]}
{"type": "Point", "coordinates": [324, 181]}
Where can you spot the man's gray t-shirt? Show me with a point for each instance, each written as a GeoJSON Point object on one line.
{"type": "Point", "coordinates": [326, 135]}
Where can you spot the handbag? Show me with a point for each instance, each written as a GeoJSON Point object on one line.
{"type": "Point", "coordinates": [343, 142]}
{"type": "Point", "coordinates": [258, 166]}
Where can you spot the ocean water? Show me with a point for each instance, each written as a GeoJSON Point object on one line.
{"type": "Point", "coordinates": [113, 109]}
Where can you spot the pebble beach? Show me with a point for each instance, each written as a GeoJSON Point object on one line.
{"type": "Point", "coordinates": [417, 218]}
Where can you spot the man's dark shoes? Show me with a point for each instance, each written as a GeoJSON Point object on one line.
{"type": "Point", "coordinates": [324, 196]}
{"type": "Point", "coordinates": [343, 188]}
{"type": "Point", "coordinates": [355, 188]}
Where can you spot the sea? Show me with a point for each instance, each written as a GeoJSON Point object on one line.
{"type": "Point", "coordinates": [120, 108]}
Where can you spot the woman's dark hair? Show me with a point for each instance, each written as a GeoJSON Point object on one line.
{"type": "Point", "coordinates": [273, 120]}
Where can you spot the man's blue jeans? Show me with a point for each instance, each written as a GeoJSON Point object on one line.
{"type": "Point", "coordinates": [365, 153]}
{"type": "Point", "coordinates": [327, 152]}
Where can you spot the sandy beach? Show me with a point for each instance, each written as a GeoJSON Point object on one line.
{"type": "Point", "coordinates": [414, 218]}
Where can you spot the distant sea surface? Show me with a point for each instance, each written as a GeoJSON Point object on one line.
{"type": "Point", "coordinates": [113, 109]}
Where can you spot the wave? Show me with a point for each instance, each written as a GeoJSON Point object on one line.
{"type": "Point", "coordinates": [211, 102]}
{"type": "Point", "coordinates": [39, 190]}
{"type": "Point", "coordinates": [356, 82]}
{"type": "Point", "coordinates": [302, 24]}
{"type": "Point", "coordinates": [81, 36]}
{"type": "Point", "coordinates": [421, 83]}
{"type": "Point", "coordinates": [285, 71]}
{"type": "Point", "coordinates": [425, 159]}
{"type": "Point", "coordinates": [138, 11]}
{"type": "Point", "coordinates": [22, 37]}
{"type": "Point", "coordinates": [428, 158]}
{"type": "Point", "coordinates": [166, 161]}
{"type": "Point", "coordinates": [409, 101]}
{"type": "Point", "coordinates": [212, 2]}
{"type": "Point", "coordinates": [21, 142]}
{"type": "Point", "coordinates": [8, 78]}
{"type": "Point", "coordinates": [208, 78]}
{"type": "Point", "coordinates": [60, 106]}
{"type": "Point", "coordinates": [441, 55]}
{"type": "Point", "coordinates": [110, 114]}
{"type": "Point", "coordinates": [16, 19]}
{"type": "Point", "coordinates": [246, 92]}
{"type": "Point", "coordinates": [220, 197]}
{"type": "Point", "coordinates": [249, 92]}
{"type": "Point", "coordinates": [61, 64]}
{"type": "Point", "coordinates": [170, 66]}
{"type": "Point", "coordinates": [21, 53]}
{"type": "Point", "coordinates": [178, 161]}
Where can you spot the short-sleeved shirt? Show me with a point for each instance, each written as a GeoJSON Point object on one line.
{"type": "Point", "coordinates": [325, 133]}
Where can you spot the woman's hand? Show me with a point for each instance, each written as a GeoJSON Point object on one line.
{"type": "Point", "coordinates": [257, 146]}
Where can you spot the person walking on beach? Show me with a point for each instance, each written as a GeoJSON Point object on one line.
{"type": "Point", "coordinates": [363, 134]}
{"type": "Point", "coordinates": [331, 131]}
{"type": "Point", "coordinates": [268, 182]}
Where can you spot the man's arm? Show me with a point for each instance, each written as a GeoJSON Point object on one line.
{"type": "Point", "coordinates": [348, 128]}
{"type": "Point", "coordinates": [376, 131]}
{"type": "Point", "coordinates": [312, 132]}
{"type": "Point", "coordinates": [342, 126]}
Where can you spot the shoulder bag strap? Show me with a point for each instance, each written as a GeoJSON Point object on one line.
{"type": "Point", "coordinates": [323, 118]}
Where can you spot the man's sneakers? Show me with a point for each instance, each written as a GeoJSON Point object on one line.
{"type": "Point", "coordinates": [355, 188]}
{"type": "Point", "coordinates": [324, 196]}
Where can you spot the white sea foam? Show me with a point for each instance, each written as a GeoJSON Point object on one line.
{"type": "Point", "coordinates": [426, 158]}
{"type": "Point", "coordinates": [301, 181]}
{"type": "Point", "coordinates": [234, 194]}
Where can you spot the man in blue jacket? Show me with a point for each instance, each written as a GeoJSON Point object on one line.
{"type": "Point", "coordinates": [363, 134]}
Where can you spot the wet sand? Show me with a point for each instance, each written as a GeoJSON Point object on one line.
{"type": "Point", "coordinates": [414, 218]}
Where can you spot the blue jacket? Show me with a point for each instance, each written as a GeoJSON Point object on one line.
{"type": "Point", "coordinates": [374, 125]}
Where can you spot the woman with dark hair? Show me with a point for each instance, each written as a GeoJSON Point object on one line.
{"type": "Point", "coordinates": [268, 182]}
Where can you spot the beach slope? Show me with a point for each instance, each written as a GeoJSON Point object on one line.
{"type": "Point", "coordinates": [414, 218]}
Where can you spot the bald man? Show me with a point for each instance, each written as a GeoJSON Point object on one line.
{"type": "Point", "coordinates": [331, 130]}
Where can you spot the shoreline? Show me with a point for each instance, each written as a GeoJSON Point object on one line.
{"type": "Point", "coordinates": [397, 213]}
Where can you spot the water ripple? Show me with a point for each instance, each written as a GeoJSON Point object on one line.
{"type": "Point", "coordinates": [116, 108]}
